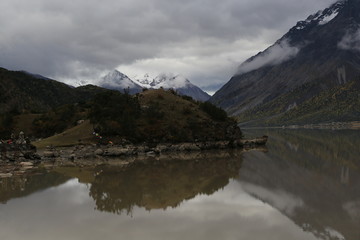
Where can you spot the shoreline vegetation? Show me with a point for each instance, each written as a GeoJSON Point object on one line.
{"type": "Point", "coordinates": [154, 123]}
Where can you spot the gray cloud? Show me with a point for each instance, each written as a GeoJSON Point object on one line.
{"type": "Point", "coordinates": [206, 39]}
{"type": "Point", "coordinates": [281, 200]}
{"type": "Point", "coordinates": [276, 54]}
{"type": "Point", "coordinates": [351, 40]}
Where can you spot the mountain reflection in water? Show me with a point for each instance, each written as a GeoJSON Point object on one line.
{"type": "Point", "coordinates": [306, 186]}
{"type": "Point", "coordinates": [311, 176]}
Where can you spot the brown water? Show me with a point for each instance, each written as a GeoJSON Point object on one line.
{"type": "Point", "coordinates": [306, 186]}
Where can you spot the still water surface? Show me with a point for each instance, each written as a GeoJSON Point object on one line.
{"type": "Point", "coordinates": [305, 185]}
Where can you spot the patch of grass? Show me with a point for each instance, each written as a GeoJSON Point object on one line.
{"type": "Point", "coordinates": [82, 133]}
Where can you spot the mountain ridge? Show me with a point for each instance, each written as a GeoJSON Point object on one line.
{"type": "Point", "coordinates": [319, 49]}
{"type": "Point", "coordinates": [24, 92]}
{"type": "Point", "coordinates": [118, 81]}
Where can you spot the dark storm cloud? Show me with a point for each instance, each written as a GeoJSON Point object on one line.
{"type": "Point", "coordinates": [82, 38]}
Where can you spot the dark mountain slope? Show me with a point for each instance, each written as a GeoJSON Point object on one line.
{"type": "Point", "coordinates": [21, 92]}
{"type": "Point", "coordinates": [322, 50]}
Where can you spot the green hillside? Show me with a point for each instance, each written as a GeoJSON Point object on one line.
{"type": "Point", "coordinates": [152, 116]}
{"type": "Point", "coordinates": [51, 110]}
{"type": "Point", "coordinates": [22, 93]}
{"type": "Point", "coordinates": [159, 116]}
{"type": "Point", "coordinates": [341, 103]}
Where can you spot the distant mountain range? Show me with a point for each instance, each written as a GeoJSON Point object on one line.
{"type": "Point", "coordinates": [310, 75]}
{"type": "Point", "coordinates": [118, 81]}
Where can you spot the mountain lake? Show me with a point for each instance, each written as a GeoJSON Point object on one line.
{"type": "Point", "coordinates": [304, 185]}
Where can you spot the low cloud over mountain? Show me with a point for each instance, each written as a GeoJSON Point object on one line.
{"type": "Point", "coordinates": [351, 41]}
{"type": "Point", "coordinates": [276, 54]}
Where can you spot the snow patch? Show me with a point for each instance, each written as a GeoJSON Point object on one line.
{"type": "Point", "coordinates": [144, 81]}
{"type": "Point", "coordinates": [328, 18]}
{"type": "Point", "coordinates": [300, 27]}
{"type": "Point", "coordinates": [334, 234]}
{"type": "Point", "coordinates": [164, 80]}
{"type": "Point", "coordinates": [169, 81]}
{"type": "Point", "coordinates": [321, 17]}
{"type": "Point", "coordinates": [177, 82]}
{"type": "Point", "coordinates": [117, 79]}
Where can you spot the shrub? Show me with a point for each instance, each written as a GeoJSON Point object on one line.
{"type": "Point", "coordinates": [187, 98]}
{"type": "Point", "coordinates": [213, 111]}
{"type": "Point", "coordinates": [186, 110]}
{"type": "Point", "coordinates": [152, 112]}
{"type": "Point", "coordinates": [115, 113]}
{"type": "Point", "coordinates": [55, 121]}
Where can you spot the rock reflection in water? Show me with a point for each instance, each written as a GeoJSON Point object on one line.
{"type": "Point", "coordinates": [160, 184]}
{"type": "Point", "coordinates": [316, 184]}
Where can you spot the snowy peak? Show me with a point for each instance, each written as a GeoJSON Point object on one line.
{"type": "Point", "coordinates": [177, 82]}
{"type": "Point", "coordinates": [181, 85]}
{"type": "Point", "coordinates": [164, 80]}
{"type": "Point", "coordinates": [171, 81]}
{"type": "Point", "coordinates": [144, 81]}
{"type": "Point", "coordinates": [321, 17]}
{"type": "Point", "coordinates": [300, 37]}
{"type": "Point", "coordinates": [115, 77]}
{"type": "Point", "coordinates": [325, 16]}
{"type": "Point", "coordinates": [118, 81]}
{"type": "Point", "coordinates": [317, 54]}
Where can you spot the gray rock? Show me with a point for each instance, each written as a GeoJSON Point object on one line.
{"type": "Point", "coordinates": [189, 147]}
{"type": "Point", "coordinates": [5, 175]}
{"type": "Point", "coordinates": [49, 154]}
{"type": "Point", "coordinates": [117, 151]}
{"type": "Point", "coordinates": [26, 164]}
{"type": "Point", "coordinates": [99, 152]}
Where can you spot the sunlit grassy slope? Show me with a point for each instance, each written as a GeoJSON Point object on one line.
{"type": "Point", "coordinates": [73, 136]}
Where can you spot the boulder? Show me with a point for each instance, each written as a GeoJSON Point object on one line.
{"type": "Point", "coordinates": [5, 175]}
{"type": "Point", "coordinates": [99, 151]}
{"type": "Point", "coordinates": [118, 151]}
{"type": "Point", "coordinates": [188, 147]}
{"type": "Point", "coordinates": [49, 154]}
{"type": "Point", "coordinates": [26, 164]}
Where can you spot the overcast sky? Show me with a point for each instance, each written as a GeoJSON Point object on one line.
{"type": "Point", "coordinates": [204, 40]}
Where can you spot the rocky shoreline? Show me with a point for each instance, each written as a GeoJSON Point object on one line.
{"type": "Point", "coordinates": [17, 161]}
{"type": "Point", "coordinates": [110, 150]}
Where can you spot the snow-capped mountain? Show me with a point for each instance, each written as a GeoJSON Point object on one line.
{"type": "Point", "coordinates": [177, 82]}
{"type": "Point", "coordinates": [118, 81]}
{"type": "Point", "coordinates": [169, 80]}
{"type": "Point", "coordinates": [145, 81]}
{"type": "Point", "coordinates": [321, 17]}
{"type": "Point", "coordinates": [318, 54]}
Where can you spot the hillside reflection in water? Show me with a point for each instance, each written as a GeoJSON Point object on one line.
{"type": "Point", "coordinates": [311, 176]}
{"type": "Point", "coordinates": [307, 186]}
{"type": "Point", "coordinates": [159, 184]}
